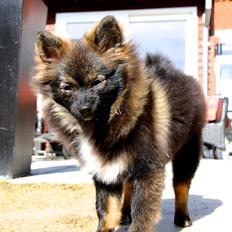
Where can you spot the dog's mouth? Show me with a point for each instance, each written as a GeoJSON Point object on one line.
{"type": "Point", "coordinates": [87, 118]}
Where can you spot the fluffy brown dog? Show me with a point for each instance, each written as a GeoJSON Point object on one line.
{"type": "Point", "coordinates": [124, 119]}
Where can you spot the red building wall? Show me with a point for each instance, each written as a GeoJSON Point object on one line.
{"type": "Point", "coordinates": [223, 14]}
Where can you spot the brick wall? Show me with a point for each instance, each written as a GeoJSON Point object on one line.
{"type": "Point", "coordinates": [200, 49]}
{"type": "Point", "coordinates": [50, 27]}
{"type": "Point", "coordinates": [211, 74]}
{"type": "Point", "coordinates": [223, 14]}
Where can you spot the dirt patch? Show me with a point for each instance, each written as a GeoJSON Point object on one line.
{"type": "Point", "coordinates": [47, 208]}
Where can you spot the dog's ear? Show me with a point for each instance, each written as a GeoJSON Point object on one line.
{"type": "Point", "coordinates": [107, 34]}
{"type": "Point", "coordinates": [50, 47]}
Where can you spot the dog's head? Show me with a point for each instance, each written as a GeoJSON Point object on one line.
{"type": "Point", "coordinates": [92, 77]}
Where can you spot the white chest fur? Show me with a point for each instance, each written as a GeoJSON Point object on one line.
{"type": "Point", "coordinates": [106, 172]}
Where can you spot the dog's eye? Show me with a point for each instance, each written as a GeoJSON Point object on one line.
{"type": "Point", "coordinates": [66, 89]}
{"type": "Point", "coordinates": [110, 73]}
{"type": "Point", "coordinates": [96, 82]}
{"type": "Point", "coordinates": [99, 79]}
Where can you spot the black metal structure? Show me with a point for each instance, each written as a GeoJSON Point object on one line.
{"type": "Point", "coordinates": [20, 21]}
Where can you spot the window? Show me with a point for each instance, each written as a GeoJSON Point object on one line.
{"type": "Point", "coordinates": [223, 65]}
{"type": "Point", "coordinates": [225, 83]}
{"type": "Point", "coordinates": [170, 31]}
{"type": "Point", "coordinates": [167, 37]}
{"type": "Point", "coordinates": [227, 49]}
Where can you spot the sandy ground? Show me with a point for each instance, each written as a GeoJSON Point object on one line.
{"type": "Point", "coordinates": [47, 208]}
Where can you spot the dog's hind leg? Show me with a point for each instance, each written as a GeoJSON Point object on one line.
{"type": "Point", "coordinates": [185, 165]}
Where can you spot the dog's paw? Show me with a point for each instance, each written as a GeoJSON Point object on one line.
{"type": "Point", "coordinates": [182, 220]}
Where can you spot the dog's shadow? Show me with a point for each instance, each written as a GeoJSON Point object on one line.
{"type": "Point", "coordinates": [199, 207]}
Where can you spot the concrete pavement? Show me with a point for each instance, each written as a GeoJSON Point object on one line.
{"type": "Point", "coordinates": [210, 200]}
{"type": "Point", "coordinates": [53, 170]}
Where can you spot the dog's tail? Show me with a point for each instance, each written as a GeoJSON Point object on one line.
{"type": "Point", "coordinates": [160, 65]}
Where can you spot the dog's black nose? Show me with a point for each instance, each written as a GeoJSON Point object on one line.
{"type": "Point", "coordinates": [85, 112]}
{"type": "Point", "coordinates": [84, 109]}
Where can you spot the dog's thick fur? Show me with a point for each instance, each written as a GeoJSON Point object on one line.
{"type": "Point", "coordinates": [124, 119]}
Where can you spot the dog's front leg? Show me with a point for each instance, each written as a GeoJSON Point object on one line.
{"type": "Point", "coordinates": [108, 205]}
{"type": "Point", "coordinates": [145, 204]}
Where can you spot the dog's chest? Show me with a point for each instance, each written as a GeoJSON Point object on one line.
{"type": "Point", "coordinates": [107, 172]}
